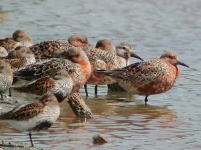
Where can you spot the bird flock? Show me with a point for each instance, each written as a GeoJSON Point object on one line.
{"type": "Point", "coordinates": [55, 69]}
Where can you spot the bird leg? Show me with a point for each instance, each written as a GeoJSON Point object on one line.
{"type": "Point", "coordinates": [1, 96]}
{"type": "Point", "coordinates": [96, 90]}
{"type": "Point", "coordinates": [85, 88]}
{"type": "Point", "coordinates": [10, 92]}
{"type": "Point", "coordinates": [31, 139]}
{"type": "Point", "coordinates": [146, 100]}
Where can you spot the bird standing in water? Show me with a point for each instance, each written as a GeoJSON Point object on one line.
{"type": "Point", "coordinates": [148, 77]}
{"type": "Point", "coordinates": [34, 117]}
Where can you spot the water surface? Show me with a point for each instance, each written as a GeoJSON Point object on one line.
{"type": "Point", "coordinates": [172, 120]}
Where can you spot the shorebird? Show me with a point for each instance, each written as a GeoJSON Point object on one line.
{"type": "Point", "coordinates": [34, 117]}
{"type": "Point", "coordinates": [124, 52]}
{"type": "Point", "coordinates": [9, 44]}
{"type": "Point", "coordinates": [149, 77]}
{"type": "Point", "coordinates": [75, 62]}
{"type": "Point", "coordinates": [20, 38]}
{"type": "Point", "coordinates": [100, 60]}
{"type": "Point", "coordinates": [53, 48]}
{"type": "Point", "coordinates": [23, 38]}
{"type": "Point", "coordinates": [3, 52]}
{"type": "Point", "coordinates": [103, 57]}
{"type": "Point", "coordinates": [20, 57]}
{"type": "Point", "coordinates": [60, 83]}
{"type": "Point", "coordinates": [6, 77]}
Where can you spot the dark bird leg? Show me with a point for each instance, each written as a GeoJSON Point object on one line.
{"type": "Point", "coordinates": [31, 139]}
{"type": "Point", "coordinates": [146, 100]}
{"type": "Point", "coordinates": [1, 96]}
{"type": "Point", "coordinates": [96, 90]}
{"type": "Point", "coordinates": [10, 94]}
{"type": "Point", "coordinates": [85, 88]}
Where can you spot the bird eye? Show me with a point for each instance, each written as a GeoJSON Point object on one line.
{"type": "Point", "coordinates": [170, 57]}
{"type": "Point", "coordinates": [124, 48]}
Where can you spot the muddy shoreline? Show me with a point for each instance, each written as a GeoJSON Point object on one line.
{"type": "Point", "coordinates": [5, 145]}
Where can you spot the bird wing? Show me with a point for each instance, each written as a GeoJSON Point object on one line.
{"type": "Point", "coordinates": [141, 72]}
{"type": "Point", "coordinates": [46, 48]}
{"type": "Point", "coordinates": [23, 112]}
{"type": "Point", "coordinates": [47, 68]}
{"type": "Point", "coordinates": [95, 53]}
{"type": "Point", "coordinates": [39, 86]}
{"type": "Point", "coordinates": [16, 63]}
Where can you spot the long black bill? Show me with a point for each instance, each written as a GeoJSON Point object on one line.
{"type": "Point", "coordinates": [181, 63]}
{"type": "Point", "coordinates": [136, 56]}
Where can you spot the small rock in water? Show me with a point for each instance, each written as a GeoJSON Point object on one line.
{"type": "Point", "coordinates": [99, 139]}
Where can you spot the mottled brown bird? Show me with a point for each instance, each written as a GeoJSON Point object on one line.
{"type": "Point", "coordinates": [19, 38]}
{"type": "Point", "coordinates": [34, 117]}
{"type": "Point", "coordinates": [6, 77]}
{"type": "Point", "coordinates": [53, 48]}
{"type": "Point", "coordinates": [20, 57]}
{"type": "Point", "coordinates": [60, 83]}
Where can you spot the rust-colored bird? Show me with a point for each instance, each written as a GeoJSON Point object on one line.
{"type": "Point", "coordinates": [75, 62]}
{"type": "Point", "coordinates": [149, 77]}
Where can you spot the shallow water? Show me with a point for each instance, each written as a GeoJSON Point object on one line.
{"type": "Point", "coordinates": [171, 120]}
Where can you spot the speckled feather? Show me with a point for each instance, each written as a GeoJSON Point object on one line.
{"type": "Point", "coordinates": [19, 38]}
{"type": "Point", "coordinates": [23, 38]}
{"type": "Point", "coordinates": [35, 116]}
{"type": "Point", "coordinates": [53, 48]}
{"type": "Point", "coordinates": [16, 63]}
{"type": "Point", "coordinates": [20, 57]}
{"type": "Point", "coordinates": [39, 86]}
{"type": "Point", "coordinates": [96, 53]}
{"type": "Point", "coordinates": [23, 112]}
{"type": "Point", "coordinates": [60, 84]}
{"type": "Point", "coordinates": [143, 72]}
{"type": "Point", "coordinates": [78, 68]}
{"type": "Point", "coordinates": [47, 68]}
{"type": "Point", "coordinates": [6, 76]}
{"type": "Point", "coordinates": [9, 44]}
{"type": "Point", "coordinates": [48, 48]}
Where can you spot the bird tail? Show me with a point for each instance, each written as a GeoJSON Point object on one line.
{"type": "Point", "coordinates": [21, 88]}
{"type": "Point", "coordinates": [26, 75]}
{"type": "Point", "coordinates": [116, 73]}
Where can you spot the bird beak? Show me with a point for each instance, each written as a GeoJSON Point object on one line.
{"type": "Point", "coordinates": [136, 56]}
{"type": "Point", "coordinates": [181, 63]}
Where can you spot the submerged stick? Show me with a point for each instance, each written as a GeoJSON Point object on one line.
{"type": "Point", "coordinates": [79, 106]}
